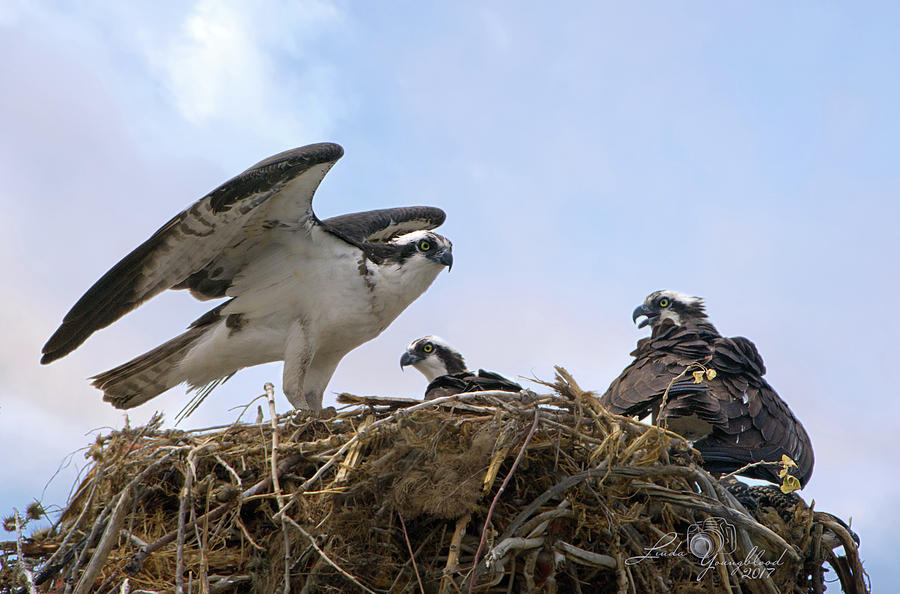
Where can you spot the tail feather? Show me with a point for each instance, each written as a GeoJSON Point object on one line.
{"type": "Point", "coordinates": [148, 375]}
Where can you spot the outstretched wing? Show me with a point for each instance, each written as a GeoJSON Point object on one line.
{"type": "Point", "coordinates": [358, 229]}
{"type": "Point", "coordinates": [202, 247]}
{"type": "Point", "coordinates": [381, 225]}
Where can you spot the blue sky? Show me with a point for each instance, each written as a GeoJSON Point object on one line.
{"type": "Point", "coordinates": [586, 154]}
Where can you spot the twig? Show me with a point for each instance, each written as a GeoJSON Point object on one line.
{"type": "Point", "coordinates": [858, 582]}
{"type": "Point", "coordinates": [421, 546]}
{"type": "Point", "coordinates": [312, 541]}
{"type": "Point", "coordinates": [20, 559]}
{"type": "Point", "coordinates": [246, 533]}
{"type": "Point", "coordinates": [49, 570]}
{"type": "Point", "coordinates": [713, 508]}
{"type": "Point", "coordinates": [554, 491]}
{"type": "Point", "coordinates": [517, 543]}
{"type": "Point", "coordinates": [182, 509]}
{"type": "Point", "coordinates": [88, 543]}
{"type": "Point", "coordinates": [137, 560]}
{"type": "Point", "coordinates": [490, 513]}
{"type": "Point", "coordinates": [746, 467]}
{"type": "Point", "coordinates": [579, 555]}
{"type": "Point", "coordinates": [204, 546]}
{"type": "Point", "coordinates": [363, 432]}
{"type": "Point", "coordinates": [276, 485]}
{"type": "Point", "coordinates": [453, 553]}
{"type": "Point", "coordinates": [412, 555]}
{"type": "Point", "coordinates": [538, 524]}
{"type": "Point", "coordinates": [230, 470]}
{"type": "Point", "coordinates": [109, 538]}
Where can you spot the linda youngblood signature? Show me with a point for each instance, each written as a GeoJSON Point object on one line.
{"type": "Point", "coordinates": [751, 567]}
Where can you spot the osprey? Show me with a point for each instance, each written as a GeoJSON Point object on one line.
{"type": "Point", "coordinates": [735, 417]}
{"type": "Point", "coordinates": [445, 369]}
{"type": "Point", "coordinates": [302, 290]}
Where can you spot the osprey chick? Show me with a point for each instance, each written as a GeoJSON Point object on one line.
{"type": "Point", "coordinates": [445, 369]}
{"type": "Point", "coordinates": [302, 290]}
{"type": "Point", "coordinates": [736, 417]}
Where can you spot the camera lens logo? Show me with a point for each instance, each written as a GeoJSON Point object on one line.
{"type": "Point", "coordinates": [710, 537]}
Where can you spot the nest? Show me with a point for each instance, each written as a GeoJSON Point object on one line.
{"type": "Point", "coordinates": [478, 492]}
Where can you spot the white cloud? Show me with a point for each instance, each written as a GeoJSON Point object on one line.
{"type": "Point", "coordinates": [248, 64]}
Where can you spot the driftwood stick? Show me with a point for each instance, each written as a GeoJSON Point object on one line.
{"type": "Point", "coordinates": [538, 524]}
{"type": "Point", "coordinates": [579, 555]}
{"type": "Point", "coordinates": [88, 543]}
{"type": "Point", "coordinates": [714, 508]}
{"type": "Point", "coordinates": [182, 510]}
{"type": "Point", "coordinates": [109, 538]}
{"type": "Point", "coordinates": [20, 559]}
{"type": "Point", "coordinates": [204, 546]}
{"type": "Point", "coordinates": [487, 520]}
{"type": "Point", "coordinates": [856, 579]}
{"type": "Point", "coordinates": [276, 485]}
{"type": "Point", "coordinates": [453, 553]}
{"type": "Point", "coordinates": [554, 491]}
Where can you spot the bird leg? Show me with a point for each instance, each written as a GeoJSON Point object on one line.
{"type": "Point", "coordinates": [297, 358]}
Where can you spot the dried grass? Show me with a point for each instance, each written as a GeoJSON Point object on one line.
{"type": "Point", "coordinates": [399, 495]}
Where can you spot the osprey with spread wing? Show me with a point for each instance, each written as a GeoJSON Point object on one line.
{"type": "Point", "coordinates": [302, 290]}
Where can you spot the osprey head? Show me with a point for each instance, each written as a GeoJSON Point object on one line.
{"type": "Point", "coordinates": [423, 246]}
{"type": "Point", "coordinates": [668, 305]}
{"type": "Point", "coordinates": [433, 357]}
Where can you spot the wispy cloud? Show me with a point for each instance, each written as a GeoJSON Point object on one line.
{"type": "Point", "coordinates": [249, 64]}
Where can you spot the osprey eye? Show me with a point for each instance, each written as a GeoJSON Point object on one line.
{"type": "Point", "coordinates": [424, 245]}
{"type": "Point", "coordinates": [664, 302]}
{"type": "Point", "coordinates": [427, 348]}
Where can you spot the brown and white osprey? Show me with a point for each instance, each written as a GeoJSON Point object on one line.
{"type": "Point", "coordinates": [301, 290]}
{"type": "Point", "coordinates": [736, 417]}
{"type": "Point", "coordinates": [445, 369]}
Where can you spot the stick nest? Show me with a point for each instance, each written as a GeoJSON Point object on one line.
{"type": "Point", "coordinates": [484, 492]}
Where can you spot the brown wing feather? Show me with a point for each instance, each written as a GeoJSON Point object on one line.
{"type": "Point", "coordinates": [761, 426]}
{"type": "Point", "coordinates": [457, 383]}
{"type": "Point", "coordinates": [749, 421]}
{"type": "Point", "coordinates": [659, 360]}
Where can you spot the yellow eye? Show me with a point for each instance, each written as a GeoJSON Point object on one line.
{"type": "Point", "coordinates": [427, 348]}
{"type": "Point", "coordinates": [424, 245]}
{"type": "Point", "coordinates": [664, 302]}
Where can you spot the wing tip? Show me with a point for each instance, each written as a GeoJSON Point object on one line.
{"type": "Point", "coordinates": [63, 342]}
{"type": "Point", "coordinates": [55, 349]}
{"type": "Point", "coordinates": [321, 152]}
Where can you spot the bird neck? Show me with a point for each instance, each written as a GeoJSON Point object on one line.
{"type": "Point", "coordinates": [696, 328]}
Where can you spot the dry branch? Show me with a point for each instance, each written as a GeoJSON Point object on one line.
{"type": "Point", "coordinates": [379, 498]}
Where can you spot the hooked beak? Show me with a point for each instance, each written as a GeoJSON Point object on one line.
{"type": "Point", "coordinates": [409, 359]}
{"type": "Point", "coordinates": [643, 311]}
{"type": "Point", "coordinates": [447, 259]}
{"type": "Point", "coordinates": [443, 257]}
